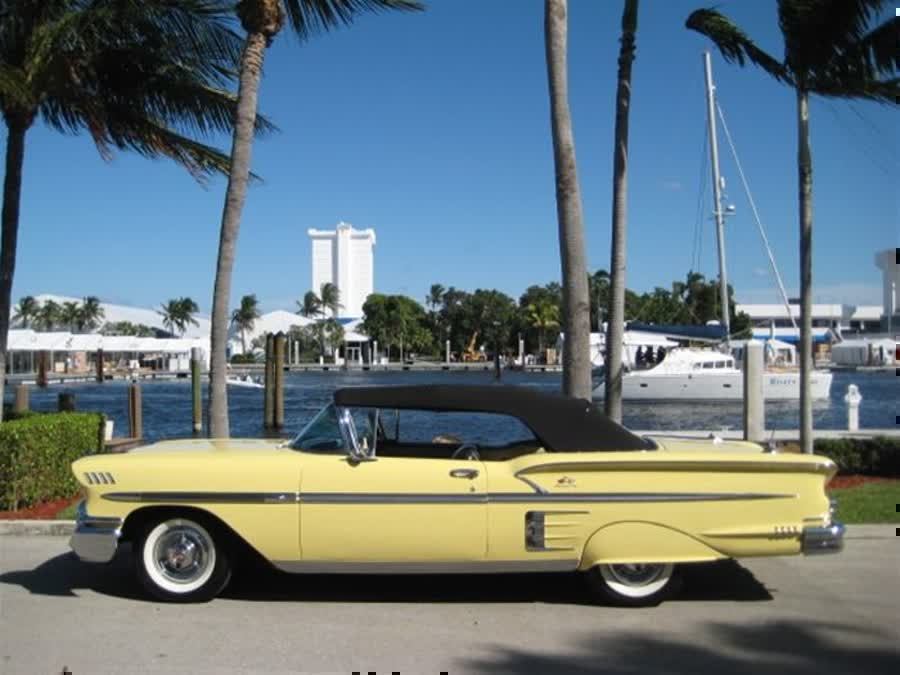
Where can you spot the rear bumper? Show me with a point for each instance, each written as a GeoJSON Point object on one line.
{"type": "Point", "coordinates": [819, 540]}
{"type": "Point", "coordinates": [95, 538]}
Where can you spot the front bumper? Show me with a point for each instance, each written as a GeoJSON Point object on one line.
{"type": "Point", "coordinates": [818, 540]}
{"type": "Point", "coordinates": [95, 538]}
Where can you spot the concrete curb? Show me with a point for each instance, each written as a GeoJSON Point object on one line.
{"type": "Point", "coordinates": [45, 528]}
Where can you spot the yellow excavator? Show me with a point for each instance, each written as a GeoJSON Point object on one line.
{"type": "Point", "coordinates": [471, 354]}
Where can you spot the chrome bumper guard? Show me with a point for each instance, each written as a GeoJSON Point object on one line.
{"type": "Point", "coordinates": [819, 540]}
{"type": "Point", "coordinates": [95, 538]}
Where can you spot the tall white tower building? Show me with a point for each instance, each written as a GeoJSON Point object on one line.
{"type": "Point", "coordinates": [345, 258]}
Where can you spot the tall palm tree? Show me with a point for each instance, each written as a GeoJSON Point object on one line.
{"type": "Point", "coordinates": [148, 76]}
{"type": "Point", "coordinates": [329, 299]}
{"type": "Point", "coordinates": [48, 316]}
{"type": "Point", "coordinates": [177, 313]}
{"type": "Point", "coordinates": [170, 313]}
{"type": "Point", "coordinates": [262, 20]}
{"type": "Point", "coordinates": [615, 327]}
{"type": "Point", "coordinates": [90, 313]}
{"type": "Point", "coordinates": [244, 318]}
{"type": "Point", "coordinates": [542, 315]}
{"type": "Point", "coordinates": [26, 310]}
{"type": "Point", "coordinates": [310, 305]}
{"type": "Point", "coordinates": [576, 304]}
{"type": "Point", "coordinates": [830, 49]}
{"type": "Point", "coordinates": [435, 296]}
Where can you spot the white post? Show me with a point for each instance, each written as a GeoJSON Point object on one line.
{"type": "Point", "coordinates": [522, 352]}
{"type": "Point", "coordinates": [853, 399]}
{"type": "Point", "coordinates": [447, 351]}
{"type": "Point", "coordinates": [754, 399]}
{"type": "Point", "coordinates": [376, 357]}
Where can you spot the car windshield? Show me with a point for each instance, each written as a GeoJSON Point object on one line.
{"type": "Point", "coordinates": [322, 434]}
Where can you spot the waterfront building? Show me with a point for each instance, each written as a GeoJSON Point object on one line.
{"type": "Point", "coordinates": [344, 257]}
{"type": "Point", "coordinates": [888, 261]}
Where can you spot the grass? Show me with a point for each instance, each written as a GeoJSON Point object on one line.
{"type": "Point", "coordinates": [67, 513]}
{"type": "Point", "coordinates": [868, 503]}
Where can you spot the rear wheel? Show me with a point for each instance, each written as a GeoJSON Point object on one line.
{"type": "Point", "coordinates": [633, 584]}
{"type": "Point", "coordinates": [182, 559]}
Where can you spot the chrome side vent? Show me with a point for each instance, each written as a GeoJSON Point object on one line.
{"type": "Point", "coordinates": [99, 478]}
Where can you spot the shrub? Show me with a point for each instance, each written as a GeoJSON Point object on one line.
{"type": "Point", "coordinates": [35, 454]}
{"type": "Point", "coordinates": [244, 358]}
{"type": "Point", "coordinates": [879, 456]}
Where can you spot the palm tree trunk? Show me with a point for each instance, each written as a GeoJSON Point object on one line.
{"type": "Point", "coordinates": [12, 194]}
{"type": "Point", "coordinates": [615, 331]}
{"type": "Point", "coordinates": [245, 120]}
{"type": "Point", "coordinates": [804, 165]}
{"type": "Point", "coordinates": [576, 304]}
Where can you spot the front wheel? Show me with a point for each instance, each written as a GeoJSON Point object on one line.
{"type": "Point", "coordinates": [182, 560]}
{"type": "Point", "coordinates": [633, 585]}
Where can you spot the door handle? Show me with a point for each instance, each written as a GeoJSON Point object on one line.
{"type": "Point", "coordinates": [464, 473]}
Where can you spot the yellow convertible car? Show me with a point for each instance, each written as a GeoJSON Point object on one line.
{"type": "Point", "coordinates": [452, 479]}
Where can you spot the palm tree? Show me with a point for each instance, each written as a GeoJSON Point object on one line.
{"type": "Point", "coordinates": [435, 296]}
{"type": "Point", "coordinates": [329, 299]}
{"type": "Point", "coordinates": [48, 316]}
{"type": "Point", "coordinates": [830, 49]}
{"type": "Point", "coordinates": [90, 313]}
{"type": "Point", "coordinates": [170, 313]}
{"type": "Point", "coordinates": [542, 315]}
{"type": "Point", "coordinates": [262, 20]}
{"type": "Point", "coordinates": [178, 313]}
{"type": "Point", "coordinates": [68, 316]}
{"type": "Point", "coordinates": [576, 304]}
{"type": "Point", "coordinates": [244, 318]}
{"type": "Point", "coordinates": [615, 327]}
{"type": "Point", "coordinates": [26, 310]}
{"type": "Point", "coordinates": [144, 76]}
{"type": "Point", "coordinates": [310, 306]}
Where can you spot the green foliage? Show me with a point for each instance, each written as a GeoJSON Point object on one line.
{"type": "Point", "coordinates": [244, 358]}
{"type": "Point", "coordinates": [36, 453]}
{"type": "Point", "coordinates": [178, 313]}
{"type": "Point", "coordinates": [879, 456]}
{"type": "Point", "coordinates": [127, 328]}
{"type": "Point", "coordinates": [868, 503]}
{"type": "Point", "coordinates": [396, 319]}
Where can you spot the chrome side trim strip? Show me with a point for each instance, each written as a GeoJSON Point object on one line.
{"type": "Point", "coordinates": [678, 465]}
{"type": "Point", "coordinates": [206, 497]}
{"type": "Point", "coordinates": [426, 498]}
{"type": "Point", "coordinates": [441, 567]}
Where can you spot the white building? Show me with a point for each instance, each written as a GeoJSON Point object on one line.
{"type": "Point", "coordinates": [344, 257]}
{"type": "Point", "coordinates": [888, 261]}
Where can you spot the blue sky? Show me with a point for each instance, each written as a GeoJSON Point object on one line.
{"type": "Point", "coordinates": [434, 129]}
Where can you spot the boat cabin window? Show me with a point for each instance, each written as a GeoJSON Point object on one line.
{"type": "Point", "coordinates": [720, 364]}
{"type": "Point", "coordinates": [707, 364]}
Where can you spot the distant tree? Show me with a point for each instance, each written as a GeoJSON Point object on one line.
{"type": "Point", "coordinates": [69, 315]}
{"type": "Point", "coordinates": [332, 333]}
{"type": "Point", "coordinates": [549, 295]}
{"type": "Point", "coordinates": [598, 285]}
{"type": "Point", "coordinates": [244, 318]}
{"type": "Point", "coordinates": [396, 320]}
{"type": "Point", "coordinates": [128, 328]}
{"type": "Point", "coordinates": [48, 316]}
{"type": "Point", "coordinates": [178, 313]}
{"type": "Point", "coordinates": [330, 299]}
{"type": "Point", "coordinates": [90, 314]}
{"type": "Point", "coordinates": [26, 311]}
{"type": "Point", "coordinates": [542, 315]}
{"type": "Point", "coordinates": [435, 297]}
{"type": "Point", "coordinates": [830, 49]}
{"type": "Point", "coordinates": [310, 305]}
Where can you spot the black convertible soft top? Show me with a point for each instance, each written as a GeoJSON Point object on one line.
{"type": "Point", "coordinates": [562, 424]}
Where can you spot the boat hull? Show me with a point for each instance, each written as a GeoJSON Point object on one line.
{"type": "Point", "coordinates": [727, 386]}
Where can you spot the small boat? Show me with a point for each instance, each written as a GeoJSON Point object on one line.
{"type": "Point", "coordinates": [246, 381]}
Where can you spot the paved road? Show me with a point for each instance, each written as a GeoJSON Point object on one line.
{"type": "Point", "coordinates": [794, 615]}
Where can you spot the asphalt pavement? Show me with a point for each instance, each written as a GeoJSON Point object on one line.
{"type": "Point", "coordinates": [828, 614]}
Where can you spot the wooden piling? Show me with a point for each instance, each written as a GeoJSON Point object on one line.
{"type": "Point", "coordinates": [66, 402]}
{"type": "Point", "coordinates": [196, 390]}
{"type": "Point", "coordinates": [22, 395]}
{"type": "Point", "coordinates": [99, 365]}
{"type": "Point", "coordinates": [135, 411]}
{"type": "Point", "coordinates": [269, 402]}
{"type": "Point", "coordinates": [278, 381]}
{"type": "Point", "coordinates": [41, 379]}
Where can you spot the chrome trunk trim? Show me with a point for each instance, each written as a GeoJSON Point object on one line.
{"type": "Point", "coordinates": [679, 465]}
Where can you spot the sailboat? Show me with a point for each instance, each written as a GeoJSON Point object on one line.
{"type": "Point", "coordinates": [690, 374]}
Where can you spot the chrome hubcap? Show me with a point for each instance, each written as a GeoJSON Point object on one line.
{"type": "Point", "coordinates": [636, 574]}
{"type": "Point", "coordinates": [182, 554]}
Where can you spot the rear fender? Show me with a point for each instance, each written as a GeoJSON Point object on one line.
{"type": "Point", "coordinates": [643, 542]}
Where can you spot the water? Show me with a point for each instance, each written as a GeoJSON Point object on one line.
{"type": "Point", "coordinates": [167, 404]}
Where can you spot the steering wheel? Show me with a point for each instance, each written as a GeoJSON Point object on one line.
{"type": "Point", "coordinates": [466, 451]}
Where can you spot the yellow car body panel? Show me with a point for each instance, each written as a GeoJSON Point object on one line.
{"type": "Point", "coordinates": [685, 501]}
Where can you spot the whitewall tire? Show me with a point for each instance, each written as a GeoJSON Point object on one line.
{"type": "Point", "coordinates": [182, 559]}
{"type": "Point", "coordinates": [634, 584]}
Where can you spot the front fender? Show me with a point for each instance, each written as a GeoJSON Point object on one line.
{"type": "Point", "coordinates": [643, 542]}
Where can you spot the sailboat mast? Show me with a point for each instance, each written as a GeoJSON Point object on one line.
{"type": "Point", "coordinates": [717, 194]}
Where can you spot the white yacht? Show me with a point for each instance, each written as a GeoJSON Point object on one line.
{"type": "Point", "coordinates": [687, 374]}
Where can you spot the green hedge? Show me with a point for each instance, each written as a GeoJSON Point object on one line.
{"type": "Point", "coordinates": [35, 454]}
{"type": "Point", "coordinates": [879, 456]}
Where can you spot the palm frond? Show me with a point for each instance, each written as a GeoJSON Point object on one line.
{"type": "Point", "coordinates": [311, 17]}
{"type": "Point", "coordinates": [734, 45]}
